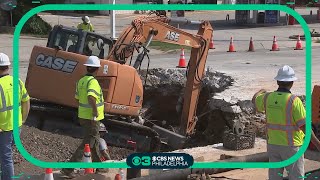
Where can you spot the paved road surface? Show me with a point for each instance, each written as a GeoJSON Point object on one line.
{"type": "Point", "coordinates": [251, 70]}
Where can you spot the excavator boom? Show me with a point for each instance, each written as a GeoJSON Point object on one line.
{"type": "Point", "coordinates": [197, 64]}
{"type": "Point", "coordinates": [141, 29]}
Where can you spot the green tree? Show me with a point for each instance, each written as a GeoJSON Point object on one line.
{"type": "Point", "coordinates": [35, 25]}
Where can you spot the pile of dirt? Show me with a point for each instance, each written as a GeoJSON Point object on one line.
{"type": "Point", "coordinates": [51, 147]}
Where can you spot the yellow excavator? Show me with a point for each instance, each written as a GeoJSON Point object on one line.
{"type": "Point", "coordinates": [54, 70]}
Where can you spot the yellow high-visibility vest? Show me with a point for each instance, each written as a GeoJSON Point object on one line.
{"type": "Point", "coordinates": [285, 115]}
{"type": "Point", "coordinates": [86, 86]}
{"type": "Point", "coordinates": [6, 102]}
{"type": "Point", "coordinates": [85, 27]}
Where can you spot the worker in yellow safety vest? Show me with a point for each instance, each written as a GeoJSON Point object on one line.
{"type": "Point", "coordinates": [90, 113]}
{"type": "Point", "coordinates": [285, 121]}
{"type": "Point", "coordinates": [86, 24]}
{"type": "Point", "coordinates": [6, 116]}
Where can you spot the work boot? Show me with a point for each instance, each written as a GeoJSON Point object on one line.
{"type": "Point", "coordinates": [68, 175]}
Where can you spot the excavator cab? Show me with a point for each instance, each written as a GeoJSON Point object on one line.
{"type": "Point", "coordinates": [78, 41]}
{"type": "Point", "coordinates": [55, 69]}
{"type": "Point", "coordinates": [63, 57]}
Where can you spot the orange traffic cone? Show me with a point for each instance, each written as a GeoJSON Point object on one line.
{"type": "Point", "coordinates": [211, 44]}
{"type": "Point", "coordinates": [251, 48]}
{"type": "Point", "coordinates": [231, 46]}
{"type": "Point", "coordinates": [275, 45]}
{"type": "Point", "coordinates": [299, 44]}
{"type": "Point", "coordinates": [182, 60]}
{"type": "Point", "coordinates": [87, 158]}
{"type": "Point", "coordinates": [48, 175]}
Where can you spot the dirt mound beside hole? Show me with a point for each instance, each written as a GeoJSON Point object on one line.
{"type": "Point", "coordinates": [50, 147]}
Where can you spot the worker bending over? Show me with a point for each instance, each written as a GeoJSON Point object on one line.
{"type": "Point", "coordinates": [90, 112]}
{"type": "Point", "coordinates": [86, 24]}
{"type": "Point", "coordinates": [103, 147]}
{"type": "Point", "coordinates": [285, 121]}
{"type": "Point", "coordinates": [6, 116]}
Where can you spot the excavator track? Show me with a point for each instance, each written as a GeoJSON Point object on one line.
{"type": "Point", "coordinates": [132, 135]}
{"type": "Point", "coordinates": [121, 132]}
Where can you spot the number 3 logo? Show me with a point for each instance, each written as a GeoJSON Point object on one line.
{"type": "Point", "coordinates": [146, 161]}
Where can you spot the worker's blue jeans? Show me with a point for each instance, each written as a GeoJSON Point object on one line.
{"type": "Point", "coordinates": [6, 139]}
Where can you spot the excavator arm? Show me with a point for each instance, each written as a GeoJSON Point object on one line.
{"type": "Point", "coordinates": [156, 28]}
{"type": "Point", "coordinates": [151, 28]}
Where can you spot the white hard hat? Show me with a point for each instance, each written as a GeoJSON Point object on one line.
{"type": "Point", "coordinates": [102, 128]}
{"type": "Point", "coordinates": [4, 60]}
{"type": "Point", "coordinates": [286, 73]}
{"type": "Point", "coordinates": [86, 19]}
{"type": "Point", "coordinates": [93, 61]}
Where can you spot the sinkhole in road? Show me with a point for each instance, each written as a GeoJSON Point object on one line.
{"type": "Point", "coordinates": [163, 102]}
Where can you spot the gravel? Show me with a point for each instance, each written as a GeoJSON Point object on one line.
{"type": "Point", "coordinates": [50, 147]}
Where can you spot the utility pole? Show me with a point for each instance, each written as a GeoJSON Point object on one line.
{"type": "Point", "coordinates": [112, 22]}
